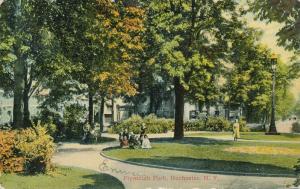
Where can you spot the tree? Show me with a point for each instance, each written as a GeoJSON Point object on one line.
{"type": "Point", "coordinates": [97, 37]}
{"type": "Point", "coordinates": [26, 53]}
{"type": "Point", "coordinates": [192, 37]}
{"type": "Point", "coordinates": [249, 81]}
{"type": "Point", "coordinates": [285, 12]}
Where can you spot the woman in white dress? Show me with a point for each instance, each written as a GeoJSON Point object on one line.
{"type": "Point", "coordinates": [146, 142]}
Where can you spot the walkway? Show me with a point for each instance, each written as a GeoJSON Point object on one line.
{"type": "Point", "coordinates": [138, 177]}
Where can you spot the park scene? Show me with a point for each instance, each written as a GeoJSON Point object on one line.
{"type": "Point", "coordinates": [149, 94]}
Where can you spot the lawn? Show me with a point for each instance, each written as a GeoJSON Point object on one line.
{"type": "Point", "coordinates": [213, 155]}
{"type": "Point", "coordinates": [249, 136]}
{"type": "Point", "coordinates": [65, 178]}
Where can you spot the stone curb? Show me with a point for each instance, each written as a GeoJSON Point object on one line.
{"type": "Point", "coordinates": [192, 170]}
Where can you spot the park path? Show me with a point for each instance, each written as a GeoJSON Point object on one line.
{"type": "Point", "coordinates": [139, 177]}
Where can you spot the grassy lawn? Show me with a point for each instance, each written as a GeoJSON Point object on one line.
{"type": "Point", "coordinates": [65, 178]}
{"type": "Point", "coordinates": [262, 136]}
{"type": "Point", "coordinates": [250, 136]}
{"type": "Point", "coordinates": [208, 154]}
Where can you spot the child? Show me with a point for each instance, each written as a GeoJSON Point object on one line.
{"type": "Point", "coordinates": [146, 143]}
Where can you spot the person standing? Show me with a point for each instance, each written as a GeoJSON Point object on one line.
{"type": "Point", "coordinates": [236, 130]}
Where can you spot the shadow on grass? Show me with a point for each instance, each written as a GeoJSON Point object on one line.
{"type": "Point", "coordinates": [193, 141]}
{"type": "Point", "coordinates": [93, 141]}
{"type": "Point", "coordinates": [209, 166]}
{"type": "Point", "coordinates": [103, 181]}
{"type": "Point", "coordinates": [187, 140]}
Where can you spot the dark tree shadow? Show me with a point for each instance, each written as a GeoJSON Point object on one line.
{"type": "Point", "coordinates": [193, 141]}
{"type": "Point", "coordinates": [211, 166]}
{"type": "Point", "coordinates": [103, 181]}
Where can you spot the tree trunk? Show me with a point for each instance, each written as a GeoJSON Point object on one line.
{"type": "Point", "coordinates": [207, 104]}
{"type": "Point", "coordinates": [101, 114]}
{"type": "Point", "coordinates": [18, 68]}
{"type": "Point", "coordinates": [151, 103]}
{"type": "Point", "coordinates": [27, 122]}
{"type": "Point", "coordinates": [18, 110]}
{"type": "Point", "coordinates": [91, 109]}
{"type": "Point", "coordinates": [179, 109]}
{"type": "Point", "coordinates": [112, 111]}
{"type": "Point", "coordinates": [200, 105]}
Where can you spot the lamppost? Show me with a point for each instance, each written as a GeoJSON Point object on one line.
{"type": "Point", "coordinates": [272, 129]}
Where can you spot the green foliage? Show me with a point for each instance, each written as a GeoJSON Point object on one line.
{"type": "Point", "coordinates": [297, 172]}
{"type": "Point", "coordinates": [213, 124]}
{"type": "Point", "coordinates": [152, 123]}
{"type": "Point", "coordinates": [37, 147]}
{"type": "Point", "coordinates": [296, 109]}
{"type": "Point", "coordinates": [73, 123]}
{"type": "Point", "coordinates": [284, 12]}
{"type": "Point", "coordinates": [197, 125]}
{"type": "Point", "coordinates": [243, 125]}
{"type": "Point", "coordinates": [296, 127]}
{"type": "Point", "coordinates": [218, 124]}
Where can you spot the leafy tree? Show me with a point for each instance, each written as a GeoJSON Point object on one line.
{"type": "Point", "coordinates": [192, 37]}
{"type": "Point", "coordinates": [98, 37]}
{"type": "Point", "coordinates": [250, 80]}
{"type": "Point", "coordinates": [285, 12]}
{"type": "Point", "coordinates": [27, 52]}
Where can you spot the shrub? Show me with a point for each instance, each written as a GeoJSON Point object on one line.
{"type": "Point", "coordinates": [243, 125]}
{"type": "Point", "coordinates": [10, 159]}
{"type": "Point", "coordinates": [197, 125]}
{"type": "Point", "coordinates": [37, 147]}
{"type": "Point", "coordinates": [73, 122]}
{"type": "Point", "coordinates": [51, 120]}
{"type": "Point", "coordinates": [296, 127]}
{"type": "Point", "coordinates": [218, 124]}
{"type": "Point", "coordinates": [152, 123]}
{"type": "Point", "coordinates": [28, 150]}
{"type": "Point", "coordinates": [297, 172]}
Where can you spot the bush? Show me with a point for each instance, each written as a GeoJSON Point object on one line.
{"type": "Point", "coordinates": [297, 172]}
{"type": "Point", "coordinates": [218, 124]}
{"type": "Point", "coordinates": [296, 127]}
{"type": "Point", "coordinates": [10, 159]}
{"type": "Point", "coordinates": [73, 122]}
{"type": "Point", "coordinates": [28, 151]}
{"type": "Point", "coordinates": [153, 124]}
{"type": "Point", "coordinates": [243, 125]}
{"type": "Point", "coordinates": [51, 120]}
{"type": "Point", "coordinates": [197, 125]}
{"type": "Point", "coordinates": [37, 147]}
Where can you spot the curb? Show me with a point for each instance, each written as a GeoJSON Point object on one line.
{"type": "Point", "coordinates": [192, 170]}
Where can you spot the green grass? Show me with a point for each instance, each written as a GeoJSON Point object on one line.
{"type": "Point", "coordinates": [64, 178]}
{"type": "Point", "coordinates": [209, 154]}
{"type": "Point", "coordinates": [250, 136]}
{"type": "Point", "coordinates": [263, 136]}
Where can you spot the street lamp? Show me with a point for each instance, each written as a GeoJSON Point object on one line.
{"type": "Point", "coordinates": [272, 129]}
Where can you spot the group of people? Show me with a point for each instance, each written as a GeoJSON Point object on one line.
{"type": "Point", "coordinates": [133, 141]}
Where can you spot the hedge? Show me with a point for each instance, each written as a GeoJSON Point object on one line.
{"type": "Point", "coordinates": [152, 123]}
